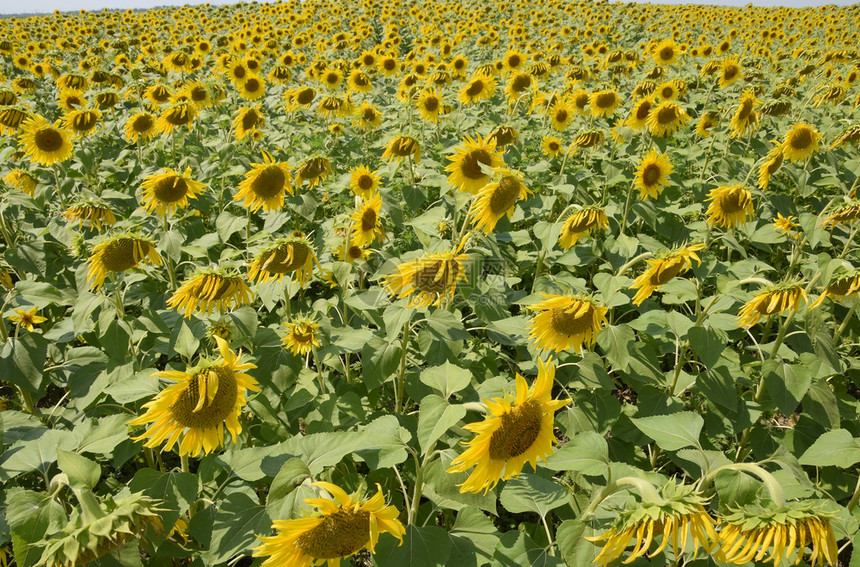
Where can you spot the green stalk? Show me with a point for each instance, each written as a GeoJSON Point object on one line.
{"type": "Point", "coordinates": [838, 334]}
{"type": "Point", "coordinates": [626, 210]}
{"type": "Point", "coordinates": [401, 382]}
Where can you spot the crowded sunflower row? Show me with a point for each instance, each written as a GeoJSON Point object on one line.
{"type": "Point", "coordinates": [430, 282]}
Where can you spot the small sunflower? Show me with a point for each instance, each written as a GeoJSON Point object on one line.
{"type": "Point", "coordinates": [563, 322]}
{"type": "Point", "coordinates": [429, 104]}
{"type": "Point", "coordinates": [402, 146]}
{"type": "Point", "coordinates": [431, 279]}
{"type": "Point", "coordinates": [666, 118]}
{"type": "Point", "coordinates": [140, 127]}
{"type": "Point", "coordinates": [604, 103]}
{"type": "Point", "coordinates": [98, 215]}
{"type": "Point", "coordinates": [119, 253]}
{"type": "Point", "coordinates": [479, 88]}
{"type": "Point", "coordinates": [367, 117]}
{"type": "Point", "coordinates": [518, 430]}
{"type": "Point", "coordinates": [706, 123]}
{"type": "Point", "coordinates": [729, 206]}
{"type": "Point", "coordinates": [82, 121]}
{"type": "Point", "coordinates": [248, 122]}
{"type": "Point", "coordinates": [551, 146]}
{"type": "Point", "coordinates": [364, 182]}
{"type": "Point", "coordinates": [730, 71]}
{"type": "Point", "coordinates": [850, 136]}
{"type": "Point", "coordinates": [785, 225]}
{"type": "Point", "coordinates": [265, 185]}
{"type": "Point", "coordinates": [203, 401]}
{"type": "Point", "coordinates": [842, 285]}
{"type": "Point", "coordinates": [302, 335]}
{"type": "Point", "coordinates": [560, 115]}
{"type": "Point", "coordinates": [769, 167]}
{"type": "Point", "coordinates": [176, 115]}
{"type": "Point", "coordinates": [314, 170]}
{"type": "Point", "coordinates": [638, 118]}
{"type": "Point", "coordinates": [12, 118]}
{"type": "Point", "coordinates": [341, 528]}
{"type": "Point", "coordinates": [581, 223]}
{"type": "Point", "coordinates": [252, 88]}
{"type": "Point", "coordinates": [771, 300]}
{"type": "Point", "coordinates": [800, 142]}
{"type": "Point", "coordinates": [472, 163]}
{"type": "Point", "coordinates": [653, 174]}
{"type": "Point", "coordinates": [367, 227]}
{"type": "Point", "coordinates": [497, 199]}
{"type": "Point", "coordinates": [208, 289]}
{"type": "Point", "coordinates": [665, 52]}
{"type": "Point", "coordinates": [663, 269]}
{"type": "Point", "coordinates": [45, 143]}
{"type": "Point", "coordinates": [20, 179]}
{"type": "Point", "coordinates": [359, 81]}
{"type": "Point", "coordinates": [27, 319]}
{"type": "Point", "coordinates": [503, 136]}
{"type": "Point", "coordinates": [290, 255]}
{"type": "Point", "coordinates": [167, 191]}
{"type": "Point", "coordinates": [745, 117]}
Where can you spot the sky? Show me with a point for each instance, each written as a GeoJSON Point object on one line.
{"type": "Point", "coordinates": [48, 6]}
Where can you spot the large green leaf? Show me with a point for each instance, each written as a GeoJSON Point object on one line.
{"type": "Point", "coordinates": [517, 549]}
{"type": "Point", "coordinates": [423, 546]}
{"type": "Point", "coordinates": [237, 521]}
{"type": "Point", "coordinates": [836, 448]}
{"type": "Point", "coordinates": [175, 490]}
{"type": "Point", "coordinates": [587, 453]}
{"type": "Point", "coordinates": [532, 493]}
{"type": "Point", "coordinates": [435, 417]}
{"type": "Point", "coordinates": [674, 431]}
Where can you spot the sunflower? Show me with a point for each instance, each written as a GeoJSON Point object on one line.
{"type": "Point", "coordinates": [730, 71]}
{"type": "Point", "coordinates": [850, 136]}
{"type": "Point", "coordinates": [748, 533]}
{"type": "Point", "coordinates": [364, 182]}
{"type": "Point", "coordinates": [43, 142]}
{"type": "Point", "coordinates": [843, 213]}
{"type": "Point", "coordinates": [518, 85]}
{"type": "Point", "coordinates": [12, 118]}
{"type": "Point", "coordinates": [771, 300]}
{"type": "Point", "coordinates": [367, 117]}
{"type": "Point", "coordinates": [785, 225]}
{"type": "Point", "coordinates": [563, 322]}
{"type": "Point", "coordinates": [560, 114]}
{"type": "Point", "coordinates": [769, 167]}
{"type": "Point", "coordinates": [665, 52]}
{"type": "Point", "coordinates": [589, 138]}
{"type": "Point", "coordinates": [706, 123]}
{"type": "Point", "coordinates": [252, 88]}
{"type": "Point", "coordinates": [496, 199]}
{"type": "Point", "coordinates": [842, 285]}
{"type": "Point", "coordinates": [469, 163]}
{"type": "Point", "coordinates": [653, 174]}
{"type": "Point", "coordinates": [71, 100]}
{"type": "Point", "coordinates": [98, 215]}
{"type": "Point", "coordinates": [667, 91]}
{"type": "Point", "coordinates": [478, 89]}
{"type": "Point", "coordinates": [580, 98]}
{"type": "Point", "coordinates": [429, 104]}
{"type": "Point", "coordinates": [359, 81]}
{"type": "Point", "coordinates": [519, 430]}
{"type": "Point", "coordinates": [800, 142]}
{"type": "Point", "coordinates": [665, 118]}
{"type": "Point", "coordinates": [204, 399]}
{"type": "Point", "coordinates": [342, 527]}
{"type": "Point", "coordinates": [503, 136]}
{"type": "Point", "coordinates": [550, 146]}
{"type": "Point", "coordinates": [265, 185]}
{"type": "Point", "coordinates": [119, 253]}
{"type": "Point", "coordinates": [604, 103]}
{"type": "Point", "coordinates": [729, 206]}
{"type": "Point", "coordinates": [367, 227]}
{"type": "Point", "coordinates": [167, 191]}
{"type": "Point", "coordinates": [20, 179]}
{"type": "Point", "coordinates": [289, 255]}
{"type": "Point", "coordinates": [745, 117]}
{"type": "Point", "coordinates": [248, 122]}
{"type": "Point", "coordinates": [663, 269]}
{"type": "Point", "coordinates": [638, 118]}
{"type": "Point", "coordinates": [401, 146]}
{"type": "Point", "coordinates": [677, 512]}
{"type": "Point", "coordinates": [302, 335]}
{"type": "Point", "coordinates": [27, 319]}
{"type": "Point", "coordinates": [351, 254]}
{"type": "Point", "coordinates": [208, 289]}
{"type": "Point", "coordinates": [176, 115]}
{"type": "Point", "coordinates": [432, 278]}
{"type": "Point", "coordinates": [314, 170]}
{"type": "Point", "coordinates": [140, 127]}
{"type": "Point", "coordinates": [583, 222]}
{"type": "Point", "coordinates": [82, 122]}
{"type": "Point", "coordinates": [331, 79]}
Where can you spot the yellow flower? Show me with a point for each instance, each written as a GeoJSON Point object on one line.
{"type": "Point", "coordinates": [359, 81]}
{"type": "Point", "coordinates": [843, 213]}
{"type": "Point", "coordinates": [252, 88]}
{"type": "Point", "coordinates": [12, 118]}
{"type": "Point", "coordinates": [604, 103]}
{"type": "Point", "coordinates": [97, 215]}
{"type": "Point", "coordinates": [364, 182]}
{"type": "Point", "coordinates": [43, 142]}
{"type": "Point", "coordinates": [583, 222]}
{"type": "Point", "coordinates": [497, 199]}
{"type": "Point", "coordinates": [729, 206]}
{"type": "Point", "coordinates": [706, 123]}
{"type": "Point", "coordinates": [302, 335]}
{"type": "Point", "coordinates": [771, 300]}
{"type": "Point", "coordinates": [82, 122]}
{"type": "Point", "coordinates": [478, 89]}
{"type": "Point", "coordinates": [518, 430]}
{"type": "Point", "coordinates": [785, 224]}
{"type": "Point", "coordinates": [248, 122]}
{"type": "Point", "coordinates": [665, 118]}
{"type": "Point", "coordinates": [663, 269]}
{"type": "Point", "coordinates": [850, 136]}
{"type": "Point", "coordinates": [402, 146]}
{"type": "Point", "coordinates": [800, 142]}
{"type": "Point", "coordinates": [20, 179]}
{"type": "Point", "coordinates": [730, 71]}
{"type": "Point", "coordinates": [292, 254]}
{"type": "Point", "coordinates": [563, 322]}
{"type": "Point", "coordinates": [208, 289]}
{"type": "Point", "coordinates": [472, 163]}
{"type": "Point", "coordinates": [431, 279]}
{"type": "Point", "coordinates": [167, 191]}
{"type": "Point", "coordinates": [665, 52]}
{"type": "Point", "coordinates": [341, 528]}
{"type": "Point", "coordinates": [745, 117]}
{"type": "Point", "coordinates": [313, 171]}
{"type": "Point", "coordinates": [842, 285]}
{"type": "Point", "coordinates": [118, 254]}
{"type": "Point", "coordinates": [367, 117]}
{"type": "Point", "coordinates": [560, 115]}
{"type": "Point", "coordinates": [771, 166]}
{"type": "Point", "coordinates": [366, 226]}
{"type": "Point", "coordinates": [429, 104]}
{"type": "Point", "coordinates": [176, 115]}
{"type": "Point", "coordinates": [551, 146]}
{"type": "Point", "coordinates": [27, 319]}
{"type": "Point", "coordinates": [653, 174]}
{"type": "Point", "coordinates": [204, 399]}
{"type": "Point", "coordinates": [638, 118]}
{"type": "Point", "coordinates": [140, 126]}
{"type": "Point", "coordinates": [265, 185]}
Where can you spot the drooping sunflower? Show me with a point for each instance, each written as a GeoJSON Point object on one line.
{"type": "Point", "coordinates": [248, 122]}
{"type": "Point", "coordinates": [843, 284]}
{"type": "Point", "coordinates": [367, 117]}
{"type": "Point", "coordinates": [302, 335]}
{"type": "Point", "coordinates": [176, 115]}
{"type": "Point", "coordinates": [97, 214]}
{"type": "Point", "coordinates": [209, 288]}
{"type": "Point", "coordinates": [800, 142]}
{"type": "Point", "coordinates": [771, 300]}
{"type": "Point", "coordinates": [367, 226]}
{"type": "Point", "coordinates": [497, 199]}
{"type": "Point", "coordinates": [563, 322]}
{"type": "Point", "coordinates": [314, 170]}
{"type": "Point", "coordinates": [653, 174]}
{"type": "Point", "coordinates": [289, 255]}
{"type": "Point", "coordinates": [119, 253]}
{"type": "Point", "coordinates": [503, 136]}
{"type": "Point", "coordinates": [167, 191]}
{"type": "Point", "coordinates": [20, 179]}
{"type": "Point", "coordinates": [140, 126]}
{"type": "Point", "coordinates": [479, 88]}
{"type": "Point", "coordinates": [604, 103]}
{"type": "Point", "coordinates": [265, 185]}
{"type": "Point", "coordinates": [12, 118]}
{"type": "Point", "coordinates": [518, 430]}
{"type": "Point", "coordinates": [431, 278]}
{"type": "Point", "coordinates": [638, 118]}
{"type": "Point", "coordinates": [665, 118]}
{"type": "Point", "coordinates": [706, 123]}
{"type": "Point", "coordinates": [745, 117]}
{"type": "Point", "coordinates": [341, 528]}
{"type": "Point", "coordinates": [204, 400]}
{"type": "Point", "coordinates": [364, 182]}
{"type": "Point", "coordinates": [769, 167]}
{"type": "Point", "coordinates": [45, 143]}
{"type": "Point", "coordinates": [472, 164]}
{"type": "Point", "coordinates": [664, 268]}
{"type": "Point", "coordinates": [402, 146]}
{"type": "Point", "coordinates": [729, 206]}
{"type": "Point", "coordinates": [82, 121]}
{"type": "Point", "coordinates": [582, 222]}
{"type": "Point", "coordinates": [851, 135]}
{"type": "Point", "coordinates": [676, 513]}
{"type": "Point", "coordinates": [843, 213]}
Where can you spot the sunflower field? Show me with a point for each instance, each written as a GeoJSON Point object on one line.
{"type": "Point", "coordinates": [430, 282]}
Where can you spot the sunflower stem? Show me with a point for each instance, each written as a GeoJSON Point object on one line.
{"type": "Point", "coordinates": [855, 497]}
{"type": "Point", "coordinates": [707, 158]}
{"type": "Point", "coordinates": [772, 485]}
{"type": "Point", "coordinates": [551, 542]}
{"type": "Point", "coordinates": [27, 401]}
{"type": "Point", "coordinates": [538, 269]}
{"type": "Point", "coordinates": [626, 210]}
{"type": "Point", "coordinates": [184, 463]}
{"type": "Point", "coordinates": [60, 195]}
{"type": "Point", "coordinates": [319, 371]}
{"type": "Point", "coordinates": [400, 384]}
{"type": "Point", "coordinates": [418, 489]}
{"type": "Point", "coordinates": [173, 145]}
{"type": "Point", "coordinates": [838, 334]}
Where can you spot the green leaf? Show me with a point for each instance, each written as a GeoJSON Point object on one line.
{"type": "Point", "coordinates": [22, 362]}
{"type": "Point", "coordinates": [516, 549]}
{"type": "Point", "coordinates": [31, 515]}
{"type": "Point", "coordinates": [101, 436]}
{"type": "Point", "coordinates": [237, 521]}
{"type": "Point", "coordinates": [176, 490]}
{"type": "Point", "coordinates": [447, 378]}
{"type": "Point", "coordinates": [83, 473]}
{"type": "Point", "coordinates": [427, 546]}
{"type": "Point", "coordinates": [532, 493]}
{"type": "Point", "coordinates": [707, 343]}
{"type": "Point", "coordinates": [615, 342]}
{"type": "Point", "coordinates": [292, 473]}
{"type": "Point", "coordinates": [836, 448]}
{"type": "Point", "coordinates": [672, 432]}
{"type": "Point", "coordinates": [575, 549]}
{"type": "Point", "coordinates": [787, 384]}
{"type": "Point", "coordinates": [38, 454]}
{"type": "Point", "coordinates": [442, 488]}
{"type": "Point", "coordinates": [435, 417]}
{"type": "Point", "coordinates": [445, 326]}
{"type": "Point", "coordinates": [185, 343]}
{"type": "Point", "coordinates": [587, 453]}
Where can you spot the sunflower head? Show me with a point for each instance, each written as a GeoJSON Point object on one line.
{"type": "Point", "coordinates": [563, 322]}
{"type": "Point", "coordinates": [82, 121]}
{"type": "Point", "coordinates": [497, 199]}
{"type": "Point", "coordinates": [665, 118]}
{"type": "Point", "coordinates": [582, 222]}
{"type": "Point", "coordinates": [12, 118]}
{"type": "Point", "coordinates": [140, 126]}
{"type": "Point", "coordinates": [302, 335]}
{"type": "Point", "coordinates": [364, 182]}
{"type": "Point", "coordinates": [772, 300]}
{"type": "Point", "coordinates": [266, 185]}
{"type": "Point", "coordinates": [729, 206]}
{"type": "Point", "coordinates": [604, 103]}
{"type": "Point", "coordinates": [844, 283]}
{"type": "Point", "coordinates": [288, 255]}
{"type": "Point", "coordinates": [313, 171]}
{"type": "Point", "coordinates": [367, 226]}
{"type": "Point", "coordinates": [663, 268]}
{"type": "Point", "coordinates": [800, 142]}
{"type": "Point", "coordinates": [118, 253]}
{"type": "Point", "coordinates": [169, 190]}
{"type": "Point", "coordinates": [843, 213]}
{"type": "Point", "coordinates": [653, 174]}
{"type": "Point", "coordinates": [402, 146]}
{"type": "Point", "coordinates": [665, 52]}
{"type": "Point", "coordinates": [248, 121]}
{"type": "Point", "coordinates": [210, 288]}
{"type": "Point", "coordinates": [430, 279]}
{"type": "Point", "coordinates": [44, 143]}
{"type": "Point", "coordinates": [472, 164]}
{"type": "Point", "coordinates": [589, 138]}
{"type": "Point", "coordinates": [178, 114]}
{"type": "Point", "coordinates": [20, 179]}
{"type": "Point", "coordinates": [93, 212]}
